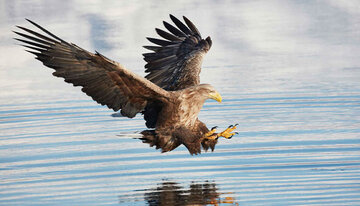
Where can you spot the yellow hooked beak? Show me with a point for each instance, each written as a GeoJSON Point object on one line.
{"type": "Point", "coordinates": [216, 96]}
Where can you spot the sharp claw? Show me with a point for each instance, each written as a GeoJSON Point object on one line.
{"type": "Point", "coordinates": [230, 126]}
{"type": "Point", "coordinates": [236, 124]}
{"type": "Point", "coordinates": [236, 132]}
{"type": "Point", "coordinates": [214, 127]}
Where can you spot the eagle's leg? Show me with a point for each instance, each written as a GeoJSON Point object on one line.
{"type": "Point", "coordinates": [211, 132]}
{"type": "Point", "coordinates": [211, 135]}
{"type": "Point", "coordinates": [228, 132]}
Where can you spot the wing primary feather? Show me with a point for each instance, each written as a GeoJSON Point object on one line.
{"type": "Point", "coordinates": [191, 26]}
{"type": "Point", "coordinates": [37, 34]}
{"type": "Point", "coordinates": [152, 48]}
{"type": "Point", "coordinates": [180, 25]}
{"type": "Point", "coordinates": [152, 54]}
{"type": "Point", "coordinates": [32, 43]}
{"type": "Point", "coordinates": [166, 35]}
{"type": "Point", "coordinates": [37, 54]}
{"type": "Point", "coordinates": [33, 38]}
{"type": "Point", "coordinates": [161, 62]}
{"type": "Point", "coordinates": [159, 41]}
{"type": "Point", "coordinates": [34, 48]}
{"type": "Point", "coordinates": [174, 30]}
{"type": "Point", "coordinates": [46, 31]}
{"type": "Point", "coordinates": [151, 57]}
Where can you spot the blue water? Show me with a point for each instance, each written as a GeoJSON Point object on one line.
{"type": "Point", "coordinates": [289, 74]}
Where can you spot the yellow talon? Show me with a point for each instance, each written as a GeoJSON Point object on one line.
{"type": "Point", "coordinates": [228, 132]}
{"type": "Point", "coordinates": [211, 135]}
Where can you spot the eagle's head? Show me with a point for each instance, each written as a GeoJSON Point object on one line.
{"type": "Point", "coordinates": [208, 91]}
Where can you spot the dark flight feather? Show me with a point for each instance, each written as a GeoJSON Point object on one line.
{"type": "Point", "coordinates": [159, 41]}
{"type": "Point", "coordinates": [191, 26]}
{"type": "Point", "coordinates": [180, 25]}
{"type": "Point", "coordinates": [174, 30]}
{"type": "Point", "coordinates": [167, 35]}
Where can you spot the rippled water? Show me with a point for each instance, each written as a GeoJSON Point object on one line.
{"type": "Point", "coordinates": [288, 73]}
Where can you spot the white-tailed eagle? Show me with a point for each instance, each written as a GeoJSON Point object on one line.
{"type": "Point", "coordinates": [170, 96]}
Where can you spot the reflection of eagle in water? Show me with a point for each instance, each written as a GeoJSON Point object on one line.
{"type": "Point", "coordinates": [172, 193]}
{"type": "Point", "coordinates": [170, 97]}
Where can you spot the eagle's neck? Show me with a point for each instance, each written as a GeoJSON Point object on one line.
{"type": "Point", "coordinates": [190, 105]}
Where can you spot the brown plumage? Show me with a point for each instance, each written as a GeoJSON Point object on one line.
{"type": "Point", "coordinates": [170, 97]}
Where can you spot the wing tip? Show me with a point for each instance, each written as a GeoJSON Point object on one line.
{"type": "Point", "coordinates": [191, 26]}
{"type": "Point", "coordinates": [20, 40]}
{"type": "Point", "coordinates": [33, 52]}
{"type": "Point", "coordinates": [46, 31]}
{"type": "Point", "coordinates": [172, 17]}
{"type": "Point", "coordinates": [30, 21]}
{"type": "Point", "coordinates": [152, 48]}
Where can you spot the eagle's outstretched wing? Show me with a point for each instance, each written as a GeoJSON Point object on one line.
{"type": "Point", "coordinates": [176, 62]}
{"type": "Point", "coordinates": [106, 81]}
